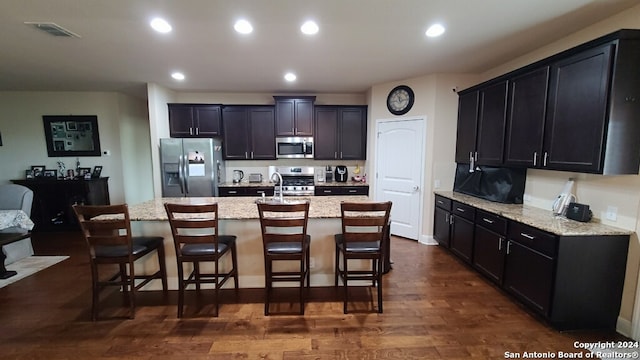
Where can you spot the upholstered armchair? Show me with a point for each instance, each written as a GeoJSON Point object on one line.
{"type": "Point", "coordinates": [16, 197]}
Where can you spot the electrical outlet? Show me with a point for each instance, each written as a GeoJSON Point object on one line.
{"type": "Point", "coordinates": [436, 184]}
{"type": "Point", "coordinates": [612, 213]}
{"type": "Point", "coordinates": [312, 262]}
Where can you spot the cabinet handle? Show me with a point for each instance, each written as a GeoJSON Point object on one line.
{"type": "Point", "coordinates": [340, 154]}
{"type": "Point", "coordinates": [326, 191]}
{"type": "Point", "coordinates": [252, 154]}
{"type": "Point", "coordinates": [353, 191]}
{"type": "Point", "coordinates": [246, 155]}
{"type": "Point", "coordinates": [233, 192]}
{"type": "Point", "coordinates": [440, 202]}
{"type": "Point", "coordinates": [500, 241]}
{"type": "Point", "coordinates": [260, 191]}
{"type": "Point", "coordinates": [459, 209]}
{"type": "Point", "coordinates": [544, 161]}
{"type": "Point", "coordinates": [487, 221]}
{"type": "Point", "coordinates": [335, 155]}
{"type": "Point", "coordinates": [450, 219]}
{"type": "Point", "coordinates": [190, 131]}
{"type": "Point", "coordinates": [197, 131]}
{"type": "Point", "coordinates": [475, 156]}
{"type": "Point", "coordinates": [535, 158]}
{"type": "Point", "coordinates": [528, 236]}
{"type": "Point", "coordinates": [446, 218]}
{"type": "Point", "coordinates": [508, 247]}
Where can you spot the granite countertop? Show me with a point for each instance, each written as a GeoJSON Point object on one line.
{"type": "Point", "coordinates": [536, 217]}
{"type": "Point", "coordinates": [240, 208]}
{"type": "Point", "coordinates": [270, 184]}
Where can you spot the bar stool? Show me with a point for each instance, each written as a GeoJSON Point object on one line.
{"type": "Point", "coordinates": [196, 239]}
{"type": "Point", "coordinates": [109, 241]}
{"type": "Point", "coordinates": [364, 227]}
{"type": "Point", "coordinates": [285, 239]}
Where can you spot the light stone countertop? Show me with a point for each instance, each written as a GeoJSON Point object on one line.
{"type": "Point", "coordinates": [536, 217]}
{"type": "Point", "coordinates": [240, 208]}
{"type": "Point", "coordinates": [269, 184]}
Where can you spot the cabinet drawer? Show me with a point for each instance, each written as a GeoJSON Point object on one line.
{"type": "Point", "coordinates": [533, 238]}
{"type": "Point", "coordinates": [258, 191]}
{"type": "Point", "coordinates": [355, 190]}
{"type": "Point", "coordinates": [325, 191]}
{"type": "Point", "coordinates": [443, 203]}
{"type": "Point", "coordinates": [229, 191]}
{"type": "Point", "coordinates": [491, 222]}
{"type": "Point", "coordinates": [464, 211]}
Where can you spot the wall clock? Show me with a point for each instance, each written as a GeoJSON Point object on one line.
{"type": "Point", "coordinates": [400, 100]}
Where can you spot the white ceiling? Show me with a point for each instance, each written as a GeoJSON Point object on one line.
{"type": "Point", "coordinates": [360, 43]}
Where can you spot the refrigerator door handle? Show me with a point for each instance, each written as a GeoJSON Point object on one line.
{"type": "Point", "coordinates": [185, 173]}
{"type": "Point", "coordinates": [180, 173]}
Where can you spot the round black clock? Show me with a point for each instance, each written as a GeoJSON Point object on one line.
{"type": "Point", "coordinates": [400, 100]}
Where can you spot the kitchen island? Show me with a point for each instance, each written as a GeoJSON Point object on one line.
{"type": "Point", "coordinates": [239, 216]}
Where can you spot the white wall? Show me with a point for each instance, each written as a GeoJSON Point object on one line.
{"type": "Point", "coordinates": [24, 143]}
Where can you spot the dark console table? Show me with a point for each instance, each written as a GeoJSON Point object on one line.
{"type": "Point", "coordinates": [53, 199]}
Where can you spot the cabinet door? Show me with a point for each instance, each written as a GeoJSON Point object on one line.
{"type": "Point", "coordinates": [525, 122]}
{"type": "Point", "coordinates": [326, 133]}
{"type": "Point", "coordinates": [180, 121]}
{"type": "Point", "coordinates": [492, 119]}
{"type": "Point", "coordinates": [207, 120]}
{"type": "Point", "coordinates": [263, 140]}
{"type": "Point", "coordinates": [304, 117]}
{"type": "Point", "coordinates": [574, 132]}
{"type": "Point", "coordinates": [236, 132]}
{"type": "Point", "coordinates": [489, 249]}
{"type": "Point", "coordinates": [462, 238]}
{"type": "Point", "coordinates": [467, 125]}
{"type": "Point", "coordinates": [352, 133]}
{"type": "Point", "coordinates": [528, 275]}
{"type": "Point", "coordinates": [441, 227]}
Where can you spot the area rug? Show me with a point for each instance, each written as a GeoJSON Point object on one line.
{"type": "Point", "coordinates": [29, 266]}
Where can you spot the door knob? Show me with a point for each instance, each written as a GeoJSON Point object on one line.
{"type": "Point", "coordinates": [416, 188]}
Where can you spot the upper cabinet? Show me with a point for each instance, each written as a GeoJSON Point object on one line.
{"type": "Point", "coordinates": [340, 133]}
{"type": "Point", "coordinates": [249, 132]}
{"type": "Point", "coordinates": [481, 124]}
{"type": "Point", "coordinates": [194, 120]}
{"type": "Point", "coordinates": [574, 111]}
{"type": "Point", "coordinates": [294, 115]}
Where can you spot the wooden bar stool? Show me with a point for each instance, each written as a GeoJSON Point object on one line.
{"type": "Point", "coordinates": [109, 241]}
{"type": "Point", "coordinates": [364, 227]}
{"type": "Point", "coordinates": [284, 238]}
{"type": "Point", "coordinates": [196, 239]}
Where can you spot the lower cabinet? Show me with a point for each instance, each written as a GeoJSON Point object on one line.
{"type": "Point", "coordinates": [572, 282]}
{"type": "Point", "coordinates": [462, 229]}
{"type": "Point", "coordinates": [341, 190]}
{"type": "Point", "coordinates": [245, 191]}
{"type": "Point", "coordinates": [490, 245]}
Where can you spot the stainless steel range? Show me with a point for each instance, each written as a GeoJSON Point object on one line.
{"type": "Point", "coordinates": [297, 181]}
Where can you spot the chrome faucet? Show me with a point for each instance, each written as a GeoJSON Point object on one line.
{"type": "Point", "coordinates": [279, 176]}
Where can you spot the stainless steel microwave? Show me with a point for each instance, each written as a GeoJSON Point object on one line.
{"type": "Point", "coordinates": [294, 147]}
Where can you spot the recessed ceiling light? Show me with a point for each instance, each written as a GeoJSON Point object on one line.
{"type": "Point", "coordinates": [290, 77]}
{"type": "Point", "coordinates": [309, 28]}
{"type": "Point", "coordinates": [160, 25]}
{"type": "Point", "coordinates": [178, 75]}
{"type": "Point", "coordinates": [243, 27]}
{"type": "Point", "coordinates": [435, 30]}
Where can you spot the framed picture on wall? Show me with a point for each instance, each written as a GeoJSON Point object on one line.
{"type": "Point", "coordinates": [71, 135]}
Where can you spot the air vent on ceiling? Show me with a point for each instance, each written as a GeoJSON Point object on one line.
{"type": "Point", "coordinates": [52, 29]}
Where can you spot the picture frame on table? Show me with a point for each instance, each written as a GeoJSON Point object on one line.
{"type": "Point", "coordinates": [97, 170]}
{"type": "Point", "coordinates": [50, 173]}
{"type": "Point", "coordinates": [37, 170]}
{"type": "Point", "coordinates": [28, 174]}
{"type": "Point", "coordinates": [83, 171]}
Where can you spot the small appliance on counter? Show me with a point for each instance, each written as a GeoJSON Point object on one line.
{"type": "Point", "coordinates": [578, 212]}
{"type": "Point", "coordinates": [328, 174]}
{"type": "Point", "coordinates": [238, 175]}
{"type": "Point", "coordinates": [341, 173]}
{"type": "Point", "coordinates": [255, 178]}
{"type": "Point", "coordinates": [563, 200]}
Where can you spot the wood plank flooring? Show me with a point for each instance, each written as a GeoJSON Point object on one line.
{"type": "Point", "coordinates": [435, 308]}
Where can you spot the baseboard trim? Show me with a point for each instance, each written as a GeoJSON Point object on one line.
{"type": "Point", "coordinates": [623, 326]}
{"type": "Point", "coordinates": [427, 240]}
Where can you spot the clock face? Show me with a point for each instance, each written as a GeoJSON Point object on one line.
{"type": "Point", "coordinates": [400, 100]}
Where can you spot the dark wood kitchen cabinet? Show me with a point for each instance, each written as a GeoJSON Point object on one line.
{"type": "Point", "coordinates": [442, 221]}
{"type": "Point", "coordinates": [574, 133]}
{"type": "Point", "coordinates": [294, 115]}
{"type": "Point", "coordinates": [249, 132]}
{"type": "Point", "coordinates": [525, 120]}
{"type": "Point", "coordinates": [226, 191]}
{"type": "Point", "coordinates": [468, 104]}
{"type": "Point", "coordinates": [341, 190]}
{"type": "Point", "coordinates": [490, 245]}
{"type": "Point", "coordinates": [194, 120]}
{"type": "Point", "coordinates": [462, 230]}
{"type": "Point", "coordinates": [53, 200]}
{"type": "Point", "coordinates": [340, 133]}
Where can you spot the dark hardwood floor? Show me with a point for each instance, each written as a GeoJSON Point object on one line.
{"type": "Point", "coordinates": [435, 308]}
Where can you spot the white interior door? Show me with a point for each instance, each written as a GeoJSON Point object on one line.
{"type": "Point", "coordinates": [399, 172]}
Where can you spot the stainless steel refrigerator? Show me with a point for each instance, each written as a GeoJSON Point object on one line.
{"type": "Point", "coordinates": [191, 167]}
